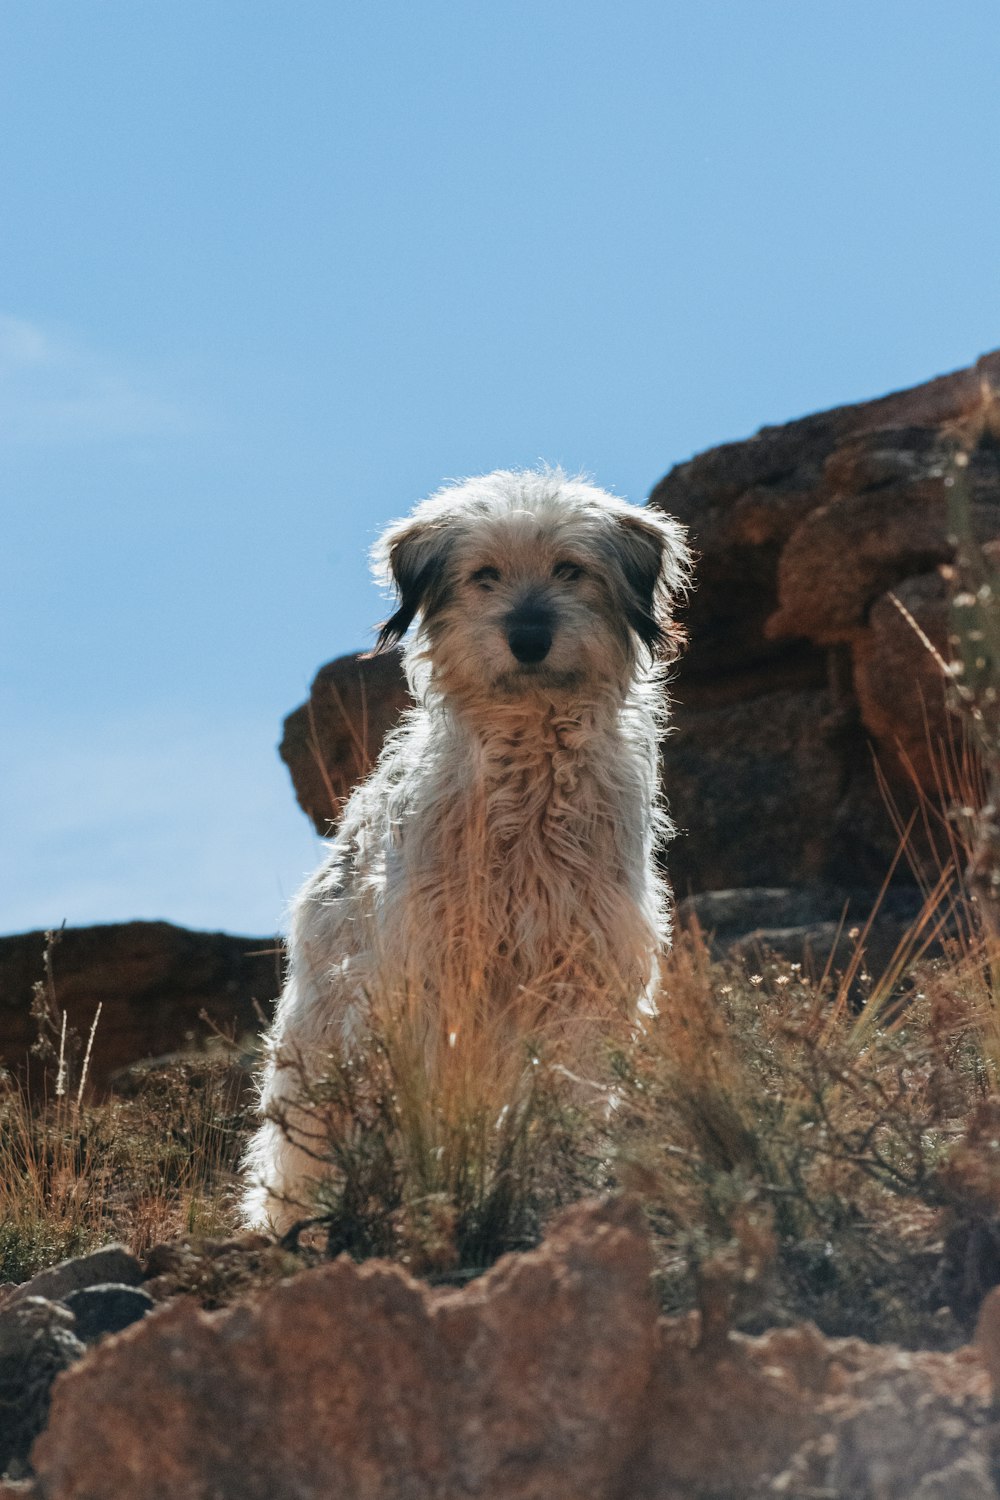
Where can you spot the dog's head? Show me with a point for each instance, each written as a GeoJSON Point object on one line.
{"type": "Point", "coordinates": [529, 583]}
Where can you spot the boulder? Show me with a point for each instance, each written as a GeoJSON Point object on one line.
{"type": "Point", "coordinates": [744, 501]}
{"type": "Point", "coordinates": [45, 1324]}
{"type": "Point", "coordinates": [107, 1308]}
{"type": "Point", "coordinates": [112, 1263]}
{"type": "Point", "coordinates": [153, 981]}
{"type": "Point", "coordinates": [353, 1381]}
{"type": "Point", "coordinates": [37, 1341]}
{"type": "Point", "coordinates": [848, 552]}
{"type": "Point", "coordinates": [549, 1378]}
{"type": "Point", "coordinates": [898, 678]}
{"type": "Point", "coordinates": [333, 740]}
{"type": "Point", "coordinates": [779, 761]}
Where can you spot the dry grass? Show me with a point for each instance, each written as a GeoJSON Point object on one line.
{"type": "Point", "coordinates": [445, 1145]}
{"type": "Point", "coordinates": [793, 1149]}
{"type": "Point", "coordinates": [160, 1163]}
{"type": "Point", "coordinates": [801, 1152]}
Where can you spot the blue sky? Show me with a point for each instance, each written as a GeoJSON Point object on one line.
{"type": "Point", "coordinates": [269, 273]}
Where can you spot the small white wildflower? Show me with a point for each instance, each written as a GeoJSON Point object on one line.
{"type": "Point", "coordinates": [756, 979]}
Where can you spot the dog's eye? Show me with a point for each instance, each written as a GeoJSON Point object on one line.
{"type": "Point", "coordinates": [567, 572]}
{"type": "Point", "coordinates": [485, 576]}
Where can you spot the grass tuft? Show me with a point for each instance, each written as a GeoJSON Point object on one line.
{"type": "Point", "coordinates": [160, 1163]}
{"type": "Point", "coordinates": [442, 1156]}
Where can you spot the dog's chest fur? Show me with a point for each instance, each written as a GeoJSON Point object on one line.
{"type": "Point", "coordinates": [510, 862]}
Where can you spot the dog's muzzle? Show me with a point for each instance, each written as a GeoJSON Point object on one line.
{"type": "Point", "coordinates": [529, 635]}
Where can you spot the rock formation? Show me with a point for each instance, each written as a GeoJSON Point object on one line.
{"type": "Point", "coordinates": [333, 740]}
{"type": "Point", "coordinates": [152, 980]}
{"type": "Point", "coordinates": [800, 666]}
{"type": "Point", "coordinates": [549, 1378]}
{"type": "Point", "coordinates": [801, 672]}
{"type": "Point", "coordinates": [45, 1324]}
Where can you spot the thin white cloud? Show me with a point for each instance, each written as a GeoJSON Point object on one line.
{"type": "Point", "coordinates": [56, 390]}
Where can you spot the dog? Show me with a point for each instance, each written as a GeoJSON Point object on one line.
{"type": "Point", "coordinates": [506, 842]}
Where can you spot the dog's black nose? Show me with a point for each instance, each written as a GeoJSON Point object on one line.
{"type": "Point", "coordinates": [529, 639]}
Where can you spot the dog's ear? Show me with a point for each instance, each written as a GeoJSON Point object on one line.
{"type": "Point", "coordinates": [413, 554]}
{"type": "Point", "coordinates": [656, 562]}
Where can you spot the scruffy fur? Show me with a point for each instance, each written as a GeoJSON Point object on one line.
{"type": "Point", "coordinates": [505, 842]}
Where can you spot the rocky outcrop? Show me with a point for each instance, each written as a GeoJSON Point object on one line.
{"type": "Point", "coordinates": [45, 1324]}
{"type": "Point", "coordinates": [333, 740]}
{"type": "Point", "coordinates": [111, 1265]}
{"type": "Point", "coordinates": [800, 666]}
{"type": "Point", "coordinates": [152, 980]}
{"type": "Point", "coordinates": [803, 926]}
{"type": "Point", "coordinates": [37, 1341]}
{"type": "Point", "coordinates": [551, 1376]}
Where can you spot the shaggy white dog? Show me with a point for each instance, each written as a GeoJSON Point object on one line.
{"type": "Point", "coordinates": [505, 842]}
